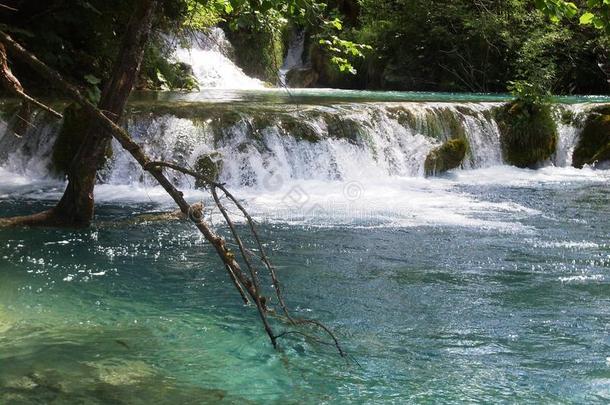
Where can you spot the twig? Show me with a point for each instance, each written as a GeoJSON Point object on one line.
{"type": "Point", "coordinates": [9, 8]}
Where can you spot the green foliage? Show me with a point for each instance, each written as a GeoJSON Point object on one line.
{"type": "Point", "coordinates": [593, 12]}
{"type": "Point", "coordinates": [528, 133]}
{"type": "Point", "coordinates": [93, 91]}
{"type": "Point", "coordinates": [480, 46]}
{"type": "Point", "coordinates": [342, 51]}
{"type": "Point", "coordinates": [161, 73]}
{"type": "Point", "coordinates": [448, 45]}
{"type": "Point", "coordinates": [203, 14]}
{"type": "Point", "coordinates": [273, 16]}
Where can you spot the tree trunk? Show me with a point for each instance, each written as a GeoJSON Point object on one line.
{"type": "Point", "coordinates": [76, 207]}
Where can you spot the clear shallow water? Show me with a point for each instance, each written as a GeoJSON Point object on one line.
{"type": "Point", "coordinates": [484, 285]}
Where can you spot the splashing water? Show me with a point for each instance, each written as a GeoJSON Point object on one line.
{"type": "Point", "coordinates": [208, 56]}
{"type": "Point", "coordinates": [342, 163]}
{"type": "Point", "coordinates": [294, 56]}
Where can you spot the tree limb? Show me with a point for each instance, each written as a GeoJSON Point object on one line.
{"type": "Point", "coordinates": [241, 280]}
{"type": "Point", "coordinates": [12, 84]}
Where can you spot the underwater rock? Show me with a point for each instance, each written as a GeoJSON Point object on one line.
{"type": "Point", "coordinates": [123, 372]}
{"type": "Point", "coordinates": [5, 321]}
{"type": "Point", "coordinates": [446, 157]}
{"type": "Point", "coordinates": [210, 166]}
{"type": "Point", "coordinates": [594, 143]}
{"type": "Point", "coordinates": [528, 133]}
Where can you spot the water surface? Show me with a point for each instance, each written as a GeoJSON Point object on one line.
{"type": "Point", "coordinates": [487, 285]}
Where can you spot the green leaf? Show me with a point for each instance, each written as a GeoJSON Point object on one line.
{"type": "Point", "coordinates": [92, 79]}
{"type": "Point", "coordinates": [598, 23]}
{"type": "Point", "coordinates": [586, 18]}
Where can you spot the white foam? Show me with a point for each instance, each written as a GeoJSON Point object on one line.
{"type": "Point", "coordinates": [581, 278]}
{"type": "Point", "coordinates": [211, 66]}
{"type": "Point", "coordinates": [515, 177]}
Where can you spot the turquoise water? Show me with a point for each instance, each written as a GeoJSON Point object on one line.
{"type": "Point", "coordinates": [326, 96]}
{"type": "Point", "coordinates": [510, 304]}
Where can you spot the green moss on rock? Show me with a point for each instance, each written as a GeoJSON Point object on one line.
{"type": "Point", "coordinates": [404, 116]}
{"type": "Point", "coordinates": [528, 133]}
{"type": "Point", "coordinates": [594, 143]}
{"type": "Point", "coordinates": [301, 78]}
{"type": "Point", "coordinates": [210, 166]}
{"type": "Point", "coordinates": [259, 53]}
{"type": "Point", "coordinates": [448, 156]}
{"type": "Point", "coordinates": [299, 129]}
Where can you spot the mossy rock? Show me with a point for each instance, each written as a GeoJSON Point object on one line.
{"type": "Point", "coordinates": [210, 166]}
{"type": "Point", "coordinates": [345, 128]}
{"type": "Point", "coordinates": [528, 133]}
{"type": "Point", "coordinates": [301, 77]}
{"type": "Point", "coordinates": [594, 143]}
{"type": "Point", "coordinates": [448, 156]}
{"type": "Point", "coordinates": [300, 130]}
{"type": "Point", "coordinates": [259, 53]}
{"type": "Point", "coordinates": [405, 117]}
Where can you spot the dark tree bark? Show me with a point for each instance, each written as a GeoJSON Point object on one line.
{"type": "Point", "coordinates": [76, 207]}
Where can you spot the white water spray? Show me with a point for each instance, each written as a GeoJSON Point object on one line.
{"type": "Point", "coordinates": [208, 55]}
{"type": "Point", "coordinates": [294, 56]}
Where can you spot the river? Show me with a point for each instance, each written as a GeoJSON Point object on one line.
{"type": "Point", "coordinates": [486, 284]}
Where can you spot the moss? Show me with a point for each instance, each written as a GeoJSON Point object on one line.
{"type": "Point", "coordinates": [528, 133]}
{"type": "Point", "coordinates": [300, 130]}
{"type": "Point", "coordinates": [403, 116]}
{"type": "Point", "coordinates": [210, 166]}
{"type": "Point", "coordinates": [301, 78]}
{"type": "Point", "coordinates": [446, 157]}
{"type": "Point", "coordinates": [258, 53]}
{"type": "Point", "coordinates": [567, 117]}
{"type": "Point", "coordinates": [345, 128]}
{"type": "Point", "coordinates": [594, 143]}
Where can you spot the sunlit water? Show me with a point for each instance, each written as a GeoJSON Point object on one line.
{"type": "Point", "coordinates": [487, 284]}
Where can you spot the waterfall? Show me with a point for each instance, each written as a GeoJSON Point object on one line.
{"type": "Point", "coordinates": [266, 143]}
{"type": "Point", "coordinates": [294, 56]}
{"type": "Point", "coordinates": [28, 155]}
{"type": "Point", "coordinates": [208, 54]}
{"type": "Point", "coordinates": [342, 142]}
{"type": "Point", "coordinates": [568, 135]}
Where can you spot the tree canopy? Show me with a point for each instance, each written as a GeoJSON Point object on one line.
{"type": "Point", "coordinates": [527, 46]}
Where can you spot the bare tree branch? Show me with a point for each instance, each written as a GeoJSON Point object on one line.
{"type": "Point", "coordinates": [12, 84]}
{"type": "Point", "coordinates": [246, 285]}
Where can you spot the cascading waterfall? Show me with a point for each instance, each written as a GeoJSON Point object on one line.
{"type": "Point", "coordinates": [257, 144]}
{"type": "Point", "coordinates": [294, 56]}
{"type": "Point", "coordinates": [337, 163]}
{"type": "Point", "coordinates": [208, 54]}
